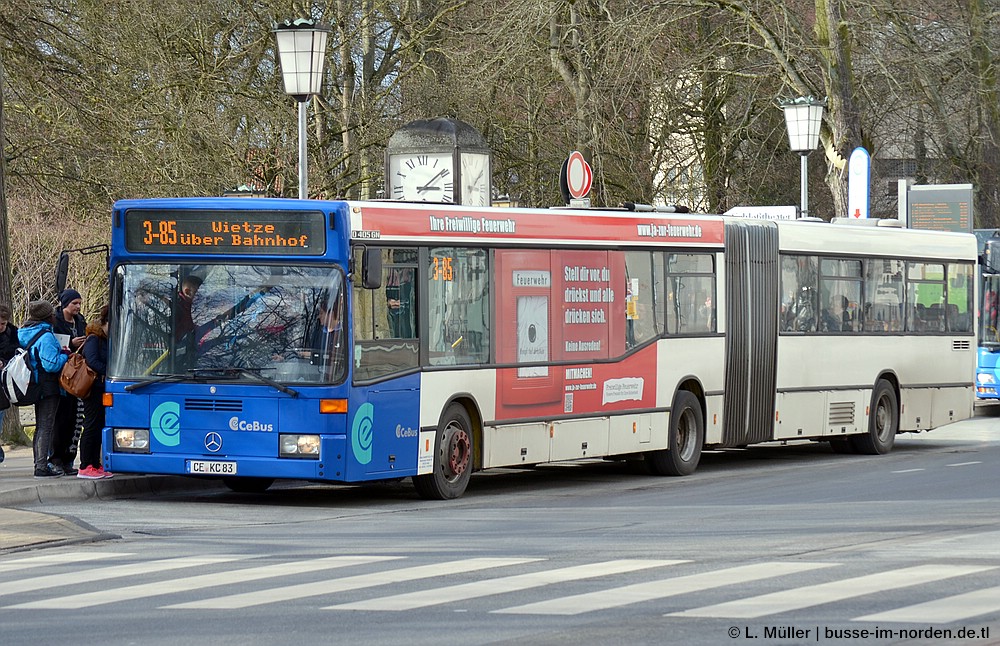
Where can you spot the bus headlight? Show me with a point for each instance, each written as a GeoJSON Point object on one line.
{"type": "Point", "coordinates": [985, 378]}
{"type": "Point", "coordinates": [298, 446]}
{"type": "Point", "coordinates": [132, 440]}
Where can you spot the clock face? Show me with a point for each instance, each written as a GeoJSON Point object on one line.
{"type": "Point", "coordinates": [476, 179]}
{"type": "Point", "coordinates": [422, 177]}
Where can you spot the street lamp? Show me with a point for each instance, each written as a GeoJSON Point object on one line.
{"type": "Point", "coordinates": [302, 50]}
{"type": "Point", "coordinates": [803, 117]}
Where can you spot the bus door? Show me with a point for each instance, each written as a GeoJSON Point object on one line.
{"type": "Point", "coordinates": [384, 404]}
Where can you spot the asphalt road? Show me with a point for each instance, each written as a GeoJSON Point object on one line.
{"type": "Point", "coordinates": [770, 545]}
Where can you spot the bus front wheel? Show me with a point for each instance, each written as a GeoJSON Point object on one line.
{"type": "Point", "coordinates": [684, 444]}
{"type": "Point", "coordinates": [452, 457]}
{"type": "Point", "coordinates": [883, 422]}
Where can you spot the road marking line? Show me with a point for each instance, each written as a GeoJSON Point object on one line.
{"type": "Point", "coordinates": [639, 592]}
{"type": "Point", "coordinates": [945, 610]}
{"type": "Point", "coordinates": [58, 559]}
{"type": "Point", "coordinates": [368, 580]}
{"type": "Point", "coordinates": [814, 595]}
{"type": "Point", "coordinates": [87, 577]}
{"type": "Point", "coordinates": [964, 464]}
{"type": "Point", "coordinates": [906, 471]}
{"type": "Point", "coordinates": [156, 588]}
{"type": "Point", "coordinates": [476, 589]}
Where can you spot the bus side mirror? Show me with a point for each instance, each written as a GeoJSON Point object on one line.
{"type": "Point", "coordinates": [371, 268]}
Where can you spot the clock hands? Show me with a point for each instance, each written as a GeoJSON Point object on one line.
{"type": "Point", "coordinates": [428, 186]}
{"type": "Point", "coordinates": [475, 180]}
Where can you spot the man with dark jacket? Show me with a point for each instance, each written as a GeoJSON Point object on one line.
{"type": "Point", "coordinates": [70, 322]}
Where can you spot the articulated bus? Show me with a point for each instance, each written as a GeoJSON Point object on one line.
{"type": "Point", "coordinates": [336, 341]}
{"type": "Point", "coordinates": [988, 361]}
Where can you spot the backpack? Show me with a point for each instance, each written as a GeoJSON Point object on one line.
{"type": "Point", "coordinates": [18, 382]}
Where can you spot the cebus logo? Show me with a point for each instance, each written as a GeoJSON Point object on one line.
{"type": "Point", "coordinates": [237, 424]}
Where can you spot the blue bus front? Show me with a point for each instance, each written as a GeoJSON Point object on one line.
{"type": "Point", "coordinates": [230, 353]}
{"type": "Point", "coordinates": [987, 375]}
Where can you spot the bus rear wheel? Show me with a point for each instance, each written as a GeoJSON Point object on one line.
{"type": "Point", "coordinates": [248, 485]}
{"type": "Point", "coordinates": [685, 441]}
{"type": "Point", "coordinates": [452, 457]}
{"type": "Point", "coordinates": [883, 422]}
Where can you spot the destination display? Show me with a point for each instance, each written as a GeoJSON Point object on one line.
{"type": "Point", "coordinates": [226, 232]}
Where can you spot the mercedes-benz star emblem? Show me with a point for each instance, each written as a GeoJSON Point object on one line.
{"type": "Point", "coordinates": [213, 442]}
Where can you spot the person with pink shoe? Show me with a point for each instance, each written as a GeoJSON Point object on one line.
{"type": "Point", "coordinates": [95, 351]}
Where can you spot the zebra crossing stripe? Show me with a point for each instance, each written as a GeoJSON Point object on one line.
{"type": "Point", "coordinates": [945, 610]}
{"type": "Point", "coordinates": [156, 588]}
{"type": "Point", "coordinates": [814, 595]}
{"type": "Point", "coordinates": [332, 586]}
{"type": "Point", "coordinates": [476, 589]}
{"type": "Point", "coordinates": [58, 559]}
{"type": "Point", "coordinates": [112, 572]}
{"type": "Point", "coordinates": [663, 588]}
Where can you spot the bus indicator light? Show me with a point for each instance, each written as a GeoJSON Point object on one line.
{"type": "Point", "coordinates": [330, 406]}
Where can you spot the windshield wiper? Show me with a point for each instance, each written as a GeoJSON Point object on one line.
{"type": "Point", "coordinates": [154, 380]}
{"type": "Point", "coordinates": [214, 374]}
{"type": "Point", "coordinates": [230, 371]}
{"type": "Point", "coordinates": [198, 374]}
{"type": "Point", "coordinates": [256, 374]}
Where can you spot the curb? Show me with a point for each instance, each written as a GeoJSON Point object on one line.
{"type": "Point", "coordinates": [69, 488]}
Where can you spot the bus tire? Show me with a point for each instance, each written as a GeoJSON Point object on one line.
{"type": "Point", "coordinates": [453, 453]}
{"type": "Point", "coordinates": [248, 485]}
{"type": "Point", "coordinates": [883, 422]}
{"type": "Point", "coordinates": [685, 440]}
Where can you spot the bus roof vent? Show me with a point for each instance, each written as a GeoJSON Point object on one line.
{"type": "Point", "coordinates": [869, 222]}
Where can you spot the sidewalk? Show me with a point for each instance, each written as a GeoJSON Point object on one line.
{"type": "Point", "coordinates": [18, 488]}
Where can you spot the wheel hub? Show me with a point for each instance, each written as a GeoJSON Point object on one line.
{"type": "Point", "coordinates": [458, 452]}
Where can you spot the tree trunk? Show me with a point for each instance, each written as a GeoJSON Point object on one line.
{"type": "Point", "coordinates": [843, 132]}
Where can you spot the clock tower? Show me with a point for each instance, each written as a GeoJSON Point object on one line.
{"type": "Point", "coordinates": [438, 160]}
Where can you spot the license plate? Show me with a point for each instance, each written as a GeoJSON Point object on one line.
{"type": "Point", "coordinates": [210, 468]}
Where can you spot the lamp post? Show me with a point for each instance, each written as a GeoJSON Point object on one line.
{"type": "Point", "coordinates": [803, 117]}
{"type": "Point", "coordinates": [302, 51]}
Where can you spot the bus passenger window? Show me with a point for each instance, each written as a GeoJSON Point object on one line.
{"type": "Point", "coordinates": [690, 291]}
{"type": "Point", "coordinates": [959, 308]}
{"type": "Point", "coordinates": [925, 293]}
{"type": "Point", "coordinates": [840, 293]}
{"type": "Point", "coordinates": [644, 296]}
{"type": "Point", "coordinates": [799, 304]}
{"type": "Point", "coordinates": [883, 301]}
{"type": "Point", "coordinates": [458, 302]}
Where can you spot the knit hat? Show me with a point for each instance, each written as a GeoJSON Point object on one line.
{"type": "Point", "coordinates": [40, 310]}
{"type": "Point", "coordinates": [68, 296]}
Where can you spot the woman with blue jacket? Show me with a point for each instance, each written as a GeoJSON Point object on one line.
{"type": "Point", "coordinates": [95, 351]}
{"type": "Point", "coordinates": [47, 359]}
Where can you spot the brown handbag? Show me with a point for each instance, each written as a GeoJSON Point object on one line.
{"type": "Point", "coordinates": [77, 378]}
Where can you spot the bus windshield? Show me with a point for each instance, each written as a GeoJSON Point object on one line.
{"type": "Point", "coordinates": [233, 321]}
